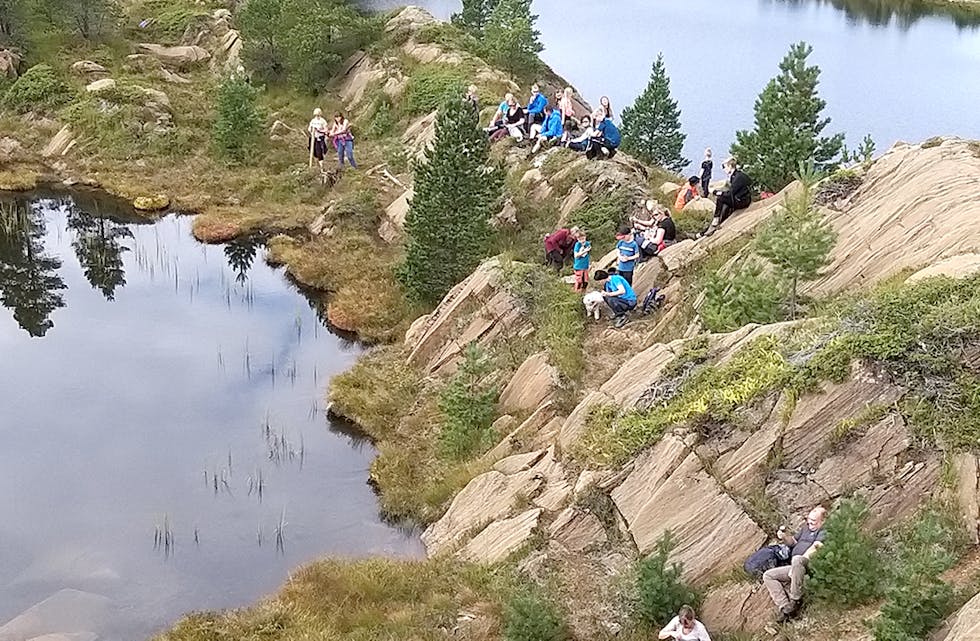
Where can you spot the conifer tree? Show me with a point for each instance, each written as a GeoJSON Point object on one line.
{"type": "Point", "coordinates": [238, 126]}
{"type": "Point", "coordinates": [848, 569]}
{"type": "Point", "coordinates": [474, 15]}
{"type": "Point", "coordinates": [797, 240]}
{"type": "Point", "coordinates": [510, 39]}
{"type": "Point", "coordinates": [448, 221]}
{"type": "Point", "coordinates": [788, 125]}
{"type": "Point", "coordinates": [652, 126]}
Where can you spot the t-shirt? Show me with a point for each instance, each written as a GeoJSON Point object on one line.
{"type": "Point", "coordinates": [670, 231]}
{"type": "Point", "coordinates": [706, 168]}
{"type": "Point", "coordinates": [615, 282]}
{"type": "Point", "coordinates": [584, 261]}
{"type": "Point", "coordinates": [805, 538]}
{"type": "Point", "coordinates": [685, 195]}
{"type": "Point", "coordinates": [697, 633]}
{"type": "Point", "coordinates": [318, 126]}
{"type": "Point", "coordinates": [627, 248]}
{"type": "Point", "coordinates": [514, 115]}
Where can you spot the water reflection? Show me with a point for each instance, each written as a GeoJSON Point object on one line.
{"type": "Point", "coordinates": [903, 13]}
{"type": "Point", "coordinates": [99, 249]}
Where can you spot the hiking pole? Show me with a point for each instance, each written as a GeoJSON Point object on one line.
{"type": "Point", "coordinates": [312, 138]}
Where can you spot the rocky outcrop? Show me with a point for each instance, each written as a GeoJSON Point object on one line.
{"type": "Point", "coordinates": [393, 222]}
{"type": "Point", "coordinates": [966, 466]}
{"type": "Point", "coordinates": [89, 69]}
{"type": "Point", "coordinates": [500, 539]}
{"type": "Point", "coordinates": [530, 385]}
{"type": "Point", "coordinates": [9, 63]}
{"type": "Point", "coordinates": [960, 266]}
{"type": "Point", "coordinates": [61, 144]}
{"type": "Point", "coordinates": [179, 58]}
{"type": "Point", "coordinates": [965, 624]}
{"type": "Point", "coordinates": [736, 607]}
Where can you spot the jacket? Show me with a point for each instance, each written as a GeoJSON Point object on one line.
{"type": "Point", "coordinates": [552, 126]}
{"type": "Point", "coordinates": [537, 104]}
{"type": "Point", "coordinates": [741, 188]}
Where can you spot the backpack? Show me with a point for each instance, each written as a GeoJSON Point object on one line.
{"type": "Point", "coordinates": [652, 300]}
{"type": "Point", "coordinates": [769, 557]}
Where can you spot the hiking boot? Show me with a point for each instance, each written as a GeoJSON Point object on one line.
{"type": "Point", "coordinates": [795, 607]}
{"type": "Point", "coordinates": [619, 322]}
{"type": "Point", "coordinates": [710, 230]}
{"type": "Point", "coordinates": [785, 614]}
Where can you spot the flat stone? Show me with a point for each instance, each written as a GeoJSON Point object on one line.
{"type": "Point", "coordinates": [578, 530]}
{"type": "Point", "coordinates": [575, 199]}
{"type": "Point", "coordinates": [394, 221]}
{"type": "Point", "coordinates": [180, 57]}
{"type": "Point", "coordinates": [151, 203]}
{"type": "Point", "coordinates": [88, 68]}
{"type": "Point", "coordinates": [502, 538]}
{"type": "Point", "coordinates": [519, 462]}
{"type": "Point", "coordinates": [736, 607]}
{"type": "Point", "coordinates": [530, 385]}
{"type": "Point", "coordinates": [965, 624]}
{"type": "Point", "coordinates": [961, 266]}
{"type": "Point", "coordinates": [669, 189]}
{"type": "Point", "coordinates": [630, 381]}
{"type": "Point", "coordinates": [703, 205]}
{"type": "Point", "coordinates": [967, 468]}
{"type": "Point", "coordinates": [61, 144]}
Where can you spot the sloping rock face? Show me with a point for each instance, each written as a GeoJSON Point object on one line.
{"type": "Point", "coordinates": [179, 58]}
{"type": "Point", "coordinates": [965, 625]}
{"type": "Point", "coordinates": [530, 385]}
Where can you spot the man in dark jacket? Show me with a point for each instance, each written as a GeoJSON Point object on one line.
{"type": "Point", "coordinates": [737, 196]}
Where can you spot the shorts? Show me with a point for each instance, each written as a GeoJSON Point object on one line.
{"type": "Point", "coordinates": [581, 280]}
{"type": "Point", "coordinates": [319, 148]}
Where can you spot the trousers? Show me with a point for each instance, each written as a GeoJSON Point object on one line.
{"type": "Point", "coordinates": [345, 146]}
{"type": "Point", "coordinates": [619, 306]}
{"type": "Point", "coordinates": [791, 576]}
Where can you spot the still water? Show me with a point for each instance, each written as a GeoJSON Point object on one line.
{"type": "Point", "coordinates": [905, 73]}
{"type": "Point", "coordinates": [148, 383]}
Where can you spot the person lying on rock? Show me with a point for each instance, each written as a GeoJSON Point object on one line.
{"type": "Point", "coordinates": [558, 246]}
{"type": "Point", "coordinates": [618, 293]}
{"type": "Point", "coordinates": [535, 108]}
{"type": "Point", "coordinates": [803, 546]}
{"type": "Point", "coordinates": [549, 131]}
{"type": "Point", "coordinates": [606, 140]}
{"type": "Point", "coordinates": [738, 195]}
{"type": "Point", "coordinates": [692, 191]}
{"type": "Point", "coordinates": [627, 253]}
{"type": "Point", "coordinates": [684, 627]}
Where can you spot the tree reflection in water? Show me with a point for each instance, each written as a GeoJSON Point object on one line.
{"type": "Point", "coordinates": [903, 13]}
{"type": "Point", "coordinates": [99, 249]}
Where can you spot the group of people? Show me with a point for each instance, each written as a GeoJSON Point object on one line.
{"type": "Point", "coordinates": [548, 124]}
{"type": "Point", "coordinates": [650, 231]}
{"type": "Point", "coordinates": [338, 133]}
{"type": "Point", "coordinates": [781, 566]}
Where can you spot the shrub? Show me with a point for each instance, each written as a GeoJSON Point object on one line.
{"type": "Point", "coordinates": [659, 588]}
{"type": "Point", "coordinates": [430, 86]}
{"type": "Point", "coordinates": [168, 18]}
{"type": "Point", "coordinates": [238, 126]}
{"type": "Point", "coordinates": [530, 616]}
{"type": "Point", "coordinates": [467, 406]}
{"type": "Point", "coordinates": [748, 295]}
{"type": "Point", "coordinates": [39, 89]}
{"type": "Point", "coordinates": [847, 570]}
{"type": "Point", "coordinates": [600, 216]}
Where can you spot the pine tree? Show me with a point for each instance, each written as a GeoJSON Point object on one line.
{"type": "Point", "coordinates": [652, 126]}
{"type": "Point", "coordinates": [797, 240]}
{"type": "Point", "coordinates": [474, 15]}
{"type": "Point", "coordinates": [848, 568]}
{"type": "Point", "coordinates": [510, 39]}
{"type": "Point", "coordinates": [448, 221]}
{"type": "Point", "coordinates": [238, 126]}
{"type": "Point", "coordinates": [660, 590]}
{"type": "Point", "coordinates": [788, 125]}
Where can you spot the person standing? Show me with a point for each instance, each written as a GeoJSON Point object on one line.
{"type": "Point", "coordinates": [803, 546]}
{"type": "Point", "coordinates": [318, 130]}
{"type": "Point", "coordinates": [343, 139]}
{"type": "Point", "coordinates": [582, 260]}
{"type": "Point", "coordinates": [627, 253]}
{"type": "Point", "coordinates": [685, 627]}
{"type": "Point", "coordinates": [707, 167]}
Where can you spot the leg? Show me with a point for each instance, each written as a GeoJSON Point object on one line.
{"type": "Point", "coordinates": [350, 152]}
{"type": "Point", "coordinates": [797, 574]}
{"type": "Point", "coordinates": [705, 183]}
{"type": "Point", "coordinates": [339, 145]}
{"type": "Point", "coordinates": [618, 306]}
{"type": "Point", "coordinates": [627, 276]}
{"type": "Point", "coordinates": [535, 130]}
{"type": "Point", "coordinates": [516, 133]}
{"type": "Point", "coordinates": [775, 581]}
{"type": "Point", "coordinates": [555, 259]}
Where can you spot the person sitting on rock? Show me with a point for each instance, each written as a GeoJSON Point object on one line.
{"type": "Point", "coordinates": [738, 195]}
{"type": "Point", "coordinates": [535, 107]}
{"type": "Point", "coordinates": [512, 123]}
{"type": "Point", "coordinates": [618, 293]}
{"type": "Point", "coordinates": [497, 121]}
{"type": "Point", "coordinates": [558, 246]}
{"type": "Point", "coordinates": [663, 235]}
{"type": "Point", "coordinates": [551, 130]}
{"type": "Point", "coordinates": [581, 142]}
{"type": "Point", "coordinates": [627, 253]}
{"type": "Point", "coordinates": [644, 219]}
{"type": "Point", "coordinates": [688, 193]}
{"type": "Point", "coordinates": [582, 260]}
{"type": "Point", "coordinates": [318, 129]}
{"type": "Point", "coordinates": [685, 627]}
{"type": "Point", "coordinates": [802, 548]}
{"type": "Point", "coordinates": [607, 138]}
{"type": "Point", "coordinates": [567, 108]}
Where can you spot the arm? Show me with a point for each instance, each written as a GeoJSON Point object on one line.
{"type": "Point", "coordinates": [813, 549]}
{"type": "Point", "coordinates": [669, 631]}
{"type": "Point", "coordinates": [659, 237]}
{"type": "Point", "coordinates": [619, 291]}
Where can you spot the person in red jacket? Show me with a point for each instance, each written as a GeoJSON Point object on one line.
{"type": "Point", "coordinates": [558, 246]}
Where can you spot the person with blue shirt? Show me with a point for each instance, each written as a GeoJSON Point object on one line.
{"type": "Point", "coordinates": [607, 138]}
{"type": "Point", "coordinates": [618, 293]}
{"type": "Point", "coordinates": [552, 129]}
{"type": "Point", "coordinates": [582, 260]}
{"type": "Point", "coordinates": [535, 107]}
{"type": "Point", "coordinates": [628, 252]}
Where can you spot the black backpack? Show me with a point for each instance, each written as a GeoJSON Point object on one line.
{"type": "Point", "coordinates": [653, 300]}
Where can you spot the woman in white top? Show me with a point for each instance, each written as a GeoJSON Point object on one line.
{"type": "Point", "coordinates": [318, 130]}
{"type": "Point", "coordinates": [684, 627]}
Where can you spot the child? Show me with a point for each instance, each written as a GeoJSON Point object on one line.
{"type": "Point", "coordinates": [706, 168]}
{"type": "Point", "coordinates": [582, 261]}
{"type": "Point", "coordinates": [687, 194]}
{"type": "Point", "coordinates": [627, 252]}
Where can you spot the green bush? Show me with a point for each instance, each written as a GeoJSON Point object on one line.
{"type": "Point", "coordinates": [467, 406]}
{"type": "Point", "coordinates": [238, 126]}
{"type": "Point", "coordinates": [746, 296]}
{"type": "Point", "coordinates": [168, 18]}
{"type": "Point", "coordinates": [847, 570]}
{"type": "Point", "coordinates": [600, 217]}
{"type": "Point", "coordinates": [382, 119]}
{"type": "Point", "coordinates": [531, 616]}
{"type": "Point", "coordinates": [659, 588]}
{"type": "Point", "coordinates": [430, 86]}
{"type": "Point", "coordinates": [39, 89]}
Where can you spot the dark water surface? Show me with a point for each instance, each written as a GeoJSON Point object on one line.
{"type": "Point", "coordinates": [135, 364]}
{"type": "Point", "coordinates": [899, 70]}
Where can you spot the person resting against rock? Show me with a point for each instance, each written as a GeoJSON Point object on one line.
{"type": "Point", "coordinates": [792, 572]}
{"type": "Point", "coordinates": [618, 293]}
{"type": "Point", "coordinates": [684, 627]}
{"type": "Point", "coordinates": [581, 142]}
{"type": "Point", "coordinates": [558, 246]}
{"type": "Point", "coordinates": [688, 193]}
{"type": "Point", "coordinates": [737, 196]}
{"type": "Point", "coordinates": [549, 131]}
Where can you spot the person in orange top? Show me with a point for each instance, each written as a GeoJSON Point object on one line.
{"type": "Point", "coordinates": [688, 193]}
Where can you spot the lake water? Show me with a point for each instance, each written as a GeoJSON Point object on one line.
{"type": "Point", "coordinates": [148, 382]}
{"type": "Point", "coordinates": [904, 74]}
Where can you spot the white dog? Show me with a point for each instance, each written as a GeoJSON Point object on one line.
{"type": "Point", "coordinates": [593, 304]}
